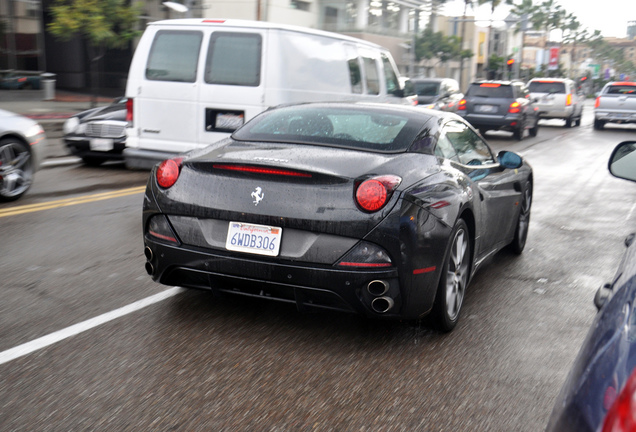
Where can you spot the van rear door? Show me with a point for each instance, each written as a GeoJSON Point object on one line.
{"type": "Point", "coordinates": [233, 81]}
{"type": "Point", "coordinates": [165, 115]}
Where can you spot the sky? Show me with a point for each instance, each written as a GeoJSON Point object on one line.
{"type": "Point", "coordinates": [608, 16]}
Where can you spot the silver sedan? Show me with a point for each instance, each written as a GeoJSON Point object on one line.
{"type": "Point", "coordinates": [22, 142]}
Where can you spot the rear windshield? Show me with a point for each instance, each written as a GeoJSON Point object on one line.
{"type": "Point", "coordinates": [347, 127]}
{"type": "Point", "coordinates": [546, 87]}
{"type": "Point", "coordinates": [489, 90]}
{"type": "Point", "coordinates": [427, 88]}
{"type": "Point", "coordinates": [622, 89]}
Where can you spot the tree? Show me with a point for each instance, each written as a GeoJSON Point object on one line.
{"type": "Point", "coordinates": [434, 45]}
{"type": "Point", "coordinates": [103, 23]}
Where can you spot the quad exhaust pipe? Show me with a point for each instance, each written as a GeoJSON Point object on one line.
{"type": "Point", "coordinates": [377, 288]}
{"type": "Point", "coordinates": [382, 304]}
{"type": "Point", "coordinates": [150, 269]}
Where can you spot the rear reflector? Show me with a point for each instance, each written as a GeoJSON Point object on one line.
{"type": "Point", "coordinates": [260, 170]}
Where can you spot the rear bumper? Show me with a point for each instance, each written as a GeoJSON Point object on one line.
{"type": "Point", "coordinates": [615, 116]}
{"type": "Point", "coordinates": [507, 123]}
{"type": "Point", "coordinates": [81, 147]}
{"type": "Point", "coordinates": [308, 286]}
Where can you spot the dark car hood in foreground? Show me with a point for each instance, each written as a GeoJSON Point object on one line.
{"type": "Point", "coordinates": [605, 360]}
{"type": "Point", "coordinates": [328, 196]}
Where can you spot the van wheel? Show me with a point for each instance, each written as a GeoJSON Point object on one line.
{"type": "Point", "coordinates": [577, 122]}
{"type": "Point", "coordinates": [599, 124]}
{"type": "Point", "coordinates": [568, 122]}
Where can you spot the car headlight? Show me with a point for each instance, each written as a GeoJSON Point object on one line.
{"type": "Point", "coordinates": [34, 130]}
{"type": "Point", "coordinates": [70, 125]}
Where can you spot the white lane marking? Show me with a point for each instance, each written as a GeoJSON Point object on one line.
{"type": "Point", "coordinates": [50, 339]}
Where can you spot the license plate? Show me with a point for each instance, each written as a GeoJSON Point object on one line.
{"type": "Point", "coordinates": [228, 121]}
{"type": "Point", "coordinates": [101, 144]}
{"type": "Point", "coordinates": [255, 239]}
{"type": "Point", "coordinates": [486, 108]}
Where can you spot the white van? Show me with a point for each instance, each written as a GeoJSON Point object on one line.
{"type": "Point", "coordinates": [194, 81]}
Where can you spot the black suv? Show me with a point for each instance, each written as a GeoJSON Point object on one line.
{"type": "Point", "coordinates": [500, 105]}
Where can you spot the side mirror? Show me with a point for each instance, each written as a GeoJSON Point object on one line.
{"type": "Point", "coordinates": [408, 89]}
{"type": "Point", "coordinates": [509, 160]}
{"type": "Point", "coordinates": [622, 162]}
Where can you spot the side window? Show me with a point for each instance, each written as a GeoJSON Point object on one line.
{"type": "Point", "coordinates": [445, 149]}
{"type": "Point", "coordinates": [392, 82]}
{"type": "Point", "coordinates": [355, 75]}
{"type": "Point", "coordinates": [234, 59]}
{"type": "Point", "coordinates": [372, 76]}
{"type": "Point", "coordinates": [174, 56]}
{"type": "Point", "coordinates": [470, 148]}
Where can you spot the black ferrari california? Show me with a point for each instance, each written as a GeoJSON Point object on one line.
{"type": "Point", "coordinates": [384, 210]}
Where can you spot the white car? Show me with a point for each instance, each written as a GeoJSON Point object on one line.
{"type": "Point", "coordinates": [22, 143]}
{"type": "Point", "coordinates": [557, 98]}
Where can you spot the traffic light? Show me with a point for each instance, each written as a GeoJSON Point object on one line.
{"type": "Point", "coordinates": [510, 64]}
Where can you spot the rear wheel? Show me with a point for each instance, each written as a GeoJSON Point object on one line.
{"type": "Point", "coordinates": [518, 132]}
{"type": "Point", "coordinates": [599, 124]}
{"type": "Point", "coordinates": [454, 279]}
{"type": "Point", "coordinates": [533, 131]}
{"type": "Point", "coordinates": [568, 122]}
{"type": "Point", "coordinates": [16, 169]}
{"type": "Point", "coordinates": [523, 222]}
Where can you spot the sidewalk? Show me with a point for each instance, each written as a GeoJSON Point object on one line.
{"type": "Point", "coordinates": [51, 114]}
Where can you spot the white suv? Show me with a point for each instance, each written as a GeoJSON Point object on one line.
{"type": "Point", "coordinates": [557, 98]}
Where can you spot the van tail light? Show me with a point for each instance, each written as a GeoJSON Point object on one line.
{"type": "Point", "coordinates": [372, 194]}
{"type": "Point", "coordinates": [461, 106]}
{"type": "Point", "coordinates": [168, 172]}
{"type": "Point", "coordinates": [129, 111]}
{"type": "Point", "coordinates": [568, 100]}
{"type": "Point", "coordinates": [514, 108]}
{"type": "Point", "coordinates": [598, 102]}
{"type": "Point", "coordinates": [621, 416]}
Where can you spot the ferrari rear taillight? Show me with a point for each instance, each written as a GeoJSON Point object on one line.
{"type": "Point", "coordinates": [461, 106]}
{"type": "Point", "coordinates": [129, 110]}
{"type": "Point", "coordinates": [514, 108]}
{"type": "Point", "coordinates": [159, 228]}
{"type": "Point", "coordinates": [366, 255]}
{"type": "Point", "coordinates": [168, 172]}
{"type": "Point", "coordinates": [622, 415]}
{"type": "Point", "coordinates": [372, 194]}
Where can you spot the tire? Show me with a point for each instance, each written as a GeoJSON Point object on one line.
{"type": "Point", "coordinates": [533, 131]}
{"type": "Point", "coordinates": [523, 222]}
{"type": "Point", "coordinates": [16, 169]}
{"type": "Point", "coordinates": [455, 274]}
{"type": "Point", "coordinates": [599, 124]}
{"type": "Point", "coordinates": [518, 133]}
{"type": "Point", "coordinates": [92, 161]}
{"type": "Point", "coordinates": [568, 122]}
{"type": "Point", "coordinates": [577, 123]}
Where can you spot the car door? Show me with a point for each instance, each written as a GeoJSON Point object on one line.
{"type": "Point", "coordinates": [496, 191]}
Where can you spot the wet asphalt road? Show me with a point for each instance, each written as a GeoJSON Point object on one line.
{"type": "Point", "coordinates": [196, 362]}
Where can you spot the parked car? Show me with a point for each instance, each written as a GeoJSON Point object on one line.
{"type": "Point", "coordinates": [616, 103]}
{"type": "Point", "coordinates": [558, 98]}
{"type": "Point", "coordinates": [500, 105]}
{"type": "Point", "coordinates": [599, 393]}
{"type": "Point", "coordinates": [22, 143]}
{"type": "Point", "coordinates": [12, 80]}
{"type": "Point", "coordinates": [98, 134]}
{"type": "Point", "coordinates": [437, 93]}
{"type": "Point", "coordinates": [381, 209]}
